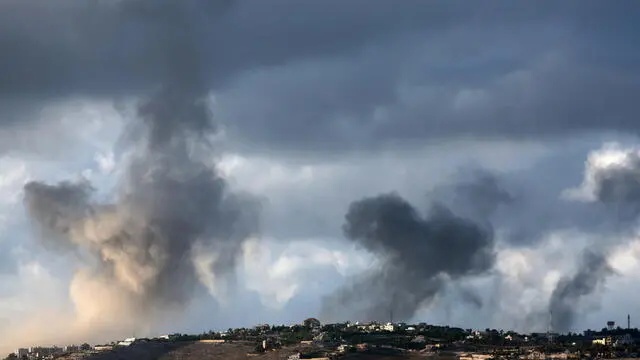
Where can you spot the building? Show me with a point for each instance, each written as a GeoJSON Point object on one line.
{"type": "Point", "coordinates": [474, 356]}
{"type": "Point", "coordinates": [534, 355]}
{"type": "Point", "coordinates": [420, 339]}
{"type": "Point", "coordinates": [262, 327]}
{"type": "Point", "coordinates": [312, 323]}
{"type": "Point", "coordinates": [22, 352]}
{"type": "Point", "coordinates": [388, 327]}
{"type": "Point", "coordinates": [71, 348]}
{"type": "Point", "coordinates": [40, 351]}
{"type": "Point", "coordinates": [625, 339]}
{"type": "Point", "coordinates": [558, 356]}
{"type": "Point", "coordinates": [103, 348]}
{"type": "Point", "coordinates": [606, 340]}
{"type": "Point", "coordinates": [127, 342]}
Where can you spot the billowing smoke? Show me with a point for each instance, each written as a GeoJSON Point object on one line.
{"type": "Point", "coordinates": [618, 184]}
{"type": "Point", "coordinates": [478, 197]}
{"type": "Point", "coordinates": [144, 250]}
{"type": "Point", "coordinates": [143, 243]}
{"type": "Point", "coordinates": [418, 255]}
{"type": "Point", "coordinates": [592, 272]}
{"type": "Point", "coordinates": [612, 179]}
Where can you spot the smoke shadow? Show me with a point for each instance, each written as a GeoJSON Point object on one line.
{"type": "Point", "coordinates": [141, 351]}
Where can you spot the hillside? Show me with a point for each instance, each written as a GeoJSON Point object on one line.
{"type": "Point", "coordinates": [181, 351]}
{"type": "Point", "coordinates": [202, 351]}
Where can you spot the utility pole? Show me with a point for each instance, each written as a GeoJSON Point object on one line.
{"type": "Point", "coordinates": [547, 352]}
{"type": "Point", "coordinates": [549, 326]}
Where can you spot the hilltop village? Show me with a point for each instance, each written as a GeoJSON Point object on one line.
{"type": "Point", "coordinates": [311, 339]}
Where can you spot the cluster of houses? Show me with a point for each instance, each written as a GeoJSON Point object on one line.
{"type": "Point", "coordinates": [374, 327]}
{"type": "Point", "coordinates": [609, 340]}
{"type": "Point", "coordinates": [43, 352]}
{"type": "Point", "coordinates": [441, 342]}
{"type": "Point", "coordinates": [52, 352]}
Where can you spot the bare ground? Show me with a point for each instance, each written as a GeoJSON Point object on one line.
{"type": "Point", "coordinates": [204, 351]}
{"type": "Point", "coordinates": [182, 351]}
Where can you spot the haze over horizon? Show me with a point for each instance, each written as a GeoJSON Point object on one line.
{"type": "Point", "coordinates": [192, 165]}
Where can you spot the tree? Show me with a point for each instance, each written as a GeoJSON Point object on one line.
{"type": "Point", "coordinates": [11, 356]}
{"type": "Point", "coordinates": [85, 347]}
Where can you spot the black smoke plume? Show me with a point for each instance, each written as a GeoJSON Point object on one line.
{"type": "Point", "coordinates": [418, 255]}
{"type": "Point", "coordinates": [563, 305]}
{"type": "Point", "coordinates": [170, 206]}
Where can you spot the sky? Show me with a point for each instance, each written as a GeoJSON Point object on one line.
{"type": "Point", "coordinates": [190, 165]}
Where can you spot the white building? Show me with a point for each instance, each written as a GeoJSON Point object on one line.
{"type": "Point", "coordinates": [127, 342]}
{"type": "Point", "coordinates": [388, 327]}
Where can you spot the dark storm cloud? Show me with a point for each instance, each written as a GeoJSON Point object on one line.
{"type": "Point", "coordinates": [117, 48]}
{"type": "Point", "coordinates": [565, 299]}
{"type": "Point", "coordinates": [419, 255]}
{"type": "Point", "coordinates": [482, 78]}
{"type": "Point", "coordinates": [116, 41]}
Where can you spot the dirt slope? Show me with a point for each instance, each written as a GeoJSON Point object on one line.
{"type": "Point", "coordinates": [205, 351]}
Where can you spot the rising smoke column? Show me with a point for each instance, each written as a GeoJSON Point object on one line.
{"type": "Point", "coordinates": [142, 244]}
{"type": "Point", "coordinates": [591, 274]}
{"type": "Point", "coordinates": [170, 204]}
{"type": "Point", "coordinates": [612, 180]}
{"type": "Point", "coordinates": [418, 255]}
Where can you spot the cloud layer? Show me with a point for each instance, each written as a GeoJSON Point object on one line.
{"type": "Point", "coordinates": [135, 131]}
